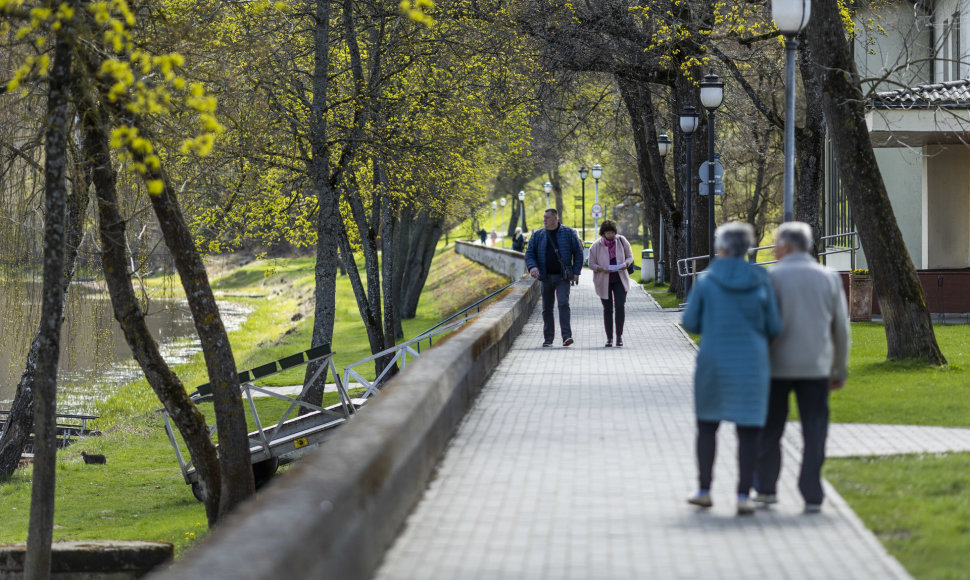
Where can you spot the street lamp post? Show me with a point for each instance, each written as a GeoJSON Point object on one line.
{"type": "Point", "coordinates": [791, 17]}
{"type": "Point", "coordinates": [597, 174]}
{"type": "Point", "coordinates": [712, 95]}
{"type": "Point", "coordinates": [688, 124]}
{"type": "Point", "coordinates": [502, 201]}
{"type": "Point", "coordinates": [663, 144]}
{"type": "Point", "coordinates": [583, 173]}
{"type": "Point", "coordinates": [547, 187]}
{"type": "Point", "coordinates": [494, 207]}
{"type": "Point", "coordinates": [522, 209]}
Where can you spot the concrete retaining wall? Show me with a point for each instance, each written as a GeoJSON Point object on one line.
{"type": "Point", "coordinates": [335, 514]}
{"type": "Point", "coordinates": [508, 263]}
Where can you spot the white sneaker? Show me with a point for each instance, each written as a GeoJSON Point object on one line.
{"type": "Point", "coordinates": [701, 499]}
{"type": "Point", "coordinates": [746, 507]}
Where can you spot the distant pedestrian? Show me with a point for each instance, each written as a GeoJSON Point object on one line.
{"type": "Point", "coordinates": [518, 241]}
{"type": "Point", "coordinates": [555, 257]}
{"type": "Point", "coordinates": [494, 237]}
{"type": "Point", "coordinates": [611, 284]}
{"type": "Point", "coordinates": [810, 357]}
{"type": "Point", "coordinates": [483, 235]}
{"type": "Point", "coordinates": [732, 306]}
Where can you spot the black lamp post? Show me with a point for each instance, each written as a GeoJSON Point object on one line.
{"type": "Point", "coordinates": [689, 120]}
{"type": "Point", "coordinates": [791, 17]}
{"type": "Point", "coordinates": [583, 173]}
{"type": "Point", "coordinates": [712, 95]}
{"type": "Point", "coordinates": [663, 145]}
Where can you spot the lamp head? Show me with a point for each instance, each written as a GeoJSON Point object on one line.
{"type": "Point", "coordinates": [583, 172]}
{"type": "Point", "coordinates": [663, 144]}
{"type": "Point", "coordinates": [521, 195]}
{"type": "Point", "coordinates": [547, 187]}
{"type": "Point", "coordinates": [712, 91]}
{"type": "Point", "coordinates": [502, 201]}
{"type": "Point", "coordinates": [791, 16]}
{"type": "Point", "coordinates": [494, 205]}
{"type": "Point", "coordinates": [597, 171]}
{"type": "Point", "coordinates": [689, 120]}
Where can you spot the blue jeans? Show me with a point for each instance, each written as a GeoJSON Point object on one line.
{"type": "Point", "coordinates": [555, 289]}
{"type": "Point", "coordinates": [812, 396]}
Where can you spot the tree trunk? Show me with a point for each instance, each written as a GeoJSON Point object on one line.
{"type": "Point", "coordinates": [237, 482]}
{"type": "Point", "coordinates": [40, 533]}
{"type": "Point", "coordinates": [328, 212]}
{"type": "Point", "coordinates": [127, 310]}
{"type": "Point", "coordinates": [810, 148]}
{"type": "Point", "coordinates": [909, 331]}
{"type": "Point", "coordinates": [426, 233]}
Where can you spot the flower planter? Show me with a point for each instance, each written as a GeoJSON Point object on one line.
{"type": "Point", "coordinates": [860, 298]}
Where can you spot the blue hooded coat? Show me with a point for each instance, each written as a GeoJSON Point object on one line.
{"type": "Point", "coordinates": [732, 306]}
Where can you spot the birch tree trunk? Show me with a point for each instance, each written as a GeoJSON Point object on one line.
{"type": "Point", "coordinates": [909, 331]}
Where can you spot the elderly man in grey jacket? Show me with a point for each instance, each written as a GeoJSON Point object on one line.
{"type": "Point", "coordinates": [809, 357]}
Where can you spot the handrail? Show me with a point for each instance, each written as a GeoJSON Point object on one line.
{"type": "Point", "coordinates": [688, 266]}
{"type": "Point", "coordinates": [457, 314]}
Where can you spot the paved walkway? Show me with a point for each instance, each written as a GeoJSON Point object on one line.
{"type": "Point", "coordinates": [575, 463]}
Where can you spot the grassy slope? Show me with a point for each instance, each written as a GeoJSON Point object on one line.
{"type": "Point", "coordinates": [140, 493]}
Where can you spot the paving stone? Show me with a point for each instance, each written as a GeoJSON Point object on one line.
{"type": "Point", "coordinates": [575, 463]}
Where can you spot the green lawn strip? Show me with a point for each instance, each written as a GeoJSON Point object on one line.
{"type": "Point", "coordinates": [905, 392]}
{"type": "Point", "coordinates": [918, 506]}
{"type": "Point", "coordinates": [140, 493]}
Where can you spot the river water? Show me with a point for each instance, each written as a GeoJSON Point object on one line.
{"type": "Point", "coordinates": [95, 359]}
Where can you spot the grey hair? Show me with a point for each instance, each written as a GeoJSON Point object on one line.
{"type": "Point", "coordinates": [734, 238]}
{"type": "Point", "coordinates": [518, 230]}
{"type": "Point", "coordinates": [798, 236]}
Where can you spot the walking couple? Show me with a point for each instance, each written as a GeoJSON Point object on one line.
{"type": "Point", "coordinates": [766, 333]}
{"type": "Point", "coordinates": [555, 256]}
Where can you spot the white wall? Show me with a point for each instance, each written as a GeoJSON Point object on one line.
{"type": "Point", "coordinates": [902, 172]}
{"type": "Point", "coordinates": [892, 47]}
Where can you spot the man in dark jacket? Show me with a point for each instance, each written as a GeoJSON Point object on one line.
{"type": "Point", "coordinates": [555, 257]}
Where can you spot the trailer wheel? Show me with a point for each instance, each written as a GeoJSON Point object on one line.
{"type": "Point", "coordinates": [264, 470]}
{"type": "Point", "coordinates": [197, 491]}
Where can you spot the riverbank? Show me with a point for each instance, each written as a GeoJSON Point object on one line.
{"type": "Point", "coordinates": [140, 494]}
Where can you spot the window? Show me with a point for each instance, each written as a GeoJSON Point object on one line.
{"type": "Point", "coordinates": [838, 218]}
{"type": "Point", "coordinates": [946, 51]}
{"type": "Point", "coordinates": [955, 47]}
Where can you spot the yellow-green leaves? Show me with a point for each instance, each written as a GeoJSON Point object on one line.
{"type": "Point", "coordinates": [417, 10]}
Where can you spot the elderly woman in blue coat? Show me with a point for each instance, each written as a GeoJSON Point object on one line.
{"type": "Point", "coordinates": [732, 306]}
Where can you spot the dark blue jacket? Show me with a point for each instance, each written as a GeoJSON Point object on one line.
{"type": "Point", "coordinates": [570, 249]}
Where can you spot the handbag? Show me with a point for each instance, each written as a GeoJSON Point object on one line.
{"type": "Point", "coordinates": [626, 248]}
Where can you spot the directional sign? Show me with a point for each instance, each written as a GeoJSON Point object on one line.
{"type": "Point", "coordinates": [596, 214]}
{"type": "Point", "coordinates": [703, 189]}
{"type": "Point", "coordinates": [597, 208]}
{"type": "Point", "coordinates": [704, 171]}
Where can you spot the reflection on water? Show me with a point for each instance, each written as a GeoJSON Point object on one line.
{"type": "Point", "coordinates": [95, 359]}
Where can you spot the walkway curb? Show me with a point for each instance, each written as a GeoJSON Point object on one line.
{"type": "Point", "coordinates": [336, 513]}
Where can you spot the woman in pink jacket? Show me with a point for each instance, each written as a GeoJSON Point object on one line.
{"type": "Point", "coordinates": [609, 257]}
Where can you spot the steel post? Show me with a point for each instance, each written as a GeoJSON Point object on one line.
{"type": "Point", "coordinates": [791, 44]}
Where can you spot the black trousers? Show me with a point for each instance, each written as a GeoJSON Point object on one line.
{"type": "Point", "coordinates": [555, 289]}
{"type": "Point", "coordinates": [616, 303]}
{"type": "Point", "coordinates": [812, 396]}
{"type": "Point", "coordinates": [747, 454]}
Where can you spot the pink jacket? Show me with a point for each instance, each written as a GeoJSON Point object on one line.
{"type": "Point", "coordinates": [599, 255]}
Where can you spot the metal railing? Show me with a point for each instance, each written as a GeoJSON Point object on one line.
{"type": "Point", "coordinates": [688, 266]}
{"type": "Point", "coordinates": [399, 354]}
{"type": "Point", "coordinates": [427, 334]}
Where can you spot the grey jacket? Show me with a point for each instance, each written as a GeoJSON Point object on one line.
{"type": "Point", "coordinates": [814, 339]}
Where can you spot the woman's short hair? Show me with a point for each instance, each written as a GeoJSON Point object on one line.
{"type": "Point", "coordinates": [734, 238]}
{"type": "Point", "coordinates": [518, 231]}
{"type": "Point", "coordinates": [798, 236]}
{"type": "Point", "coordinates": [607, 226]}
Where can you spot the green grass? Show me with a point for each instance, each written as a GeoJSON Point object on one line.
{"type": "Point", "coordinates": [140, 493]}
{"type": "Point", "coordinates": [905, 392]}
{"type": "Point", "coordinates": [918, 506]}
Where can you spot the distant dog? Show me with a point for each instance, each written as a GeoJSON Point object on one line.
{"type": "Point", "coordinates": [94, 459]}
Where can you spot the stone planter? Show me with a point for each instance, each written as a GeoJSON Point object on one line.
{"type": "Point", "coordinates": [860, 298]}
